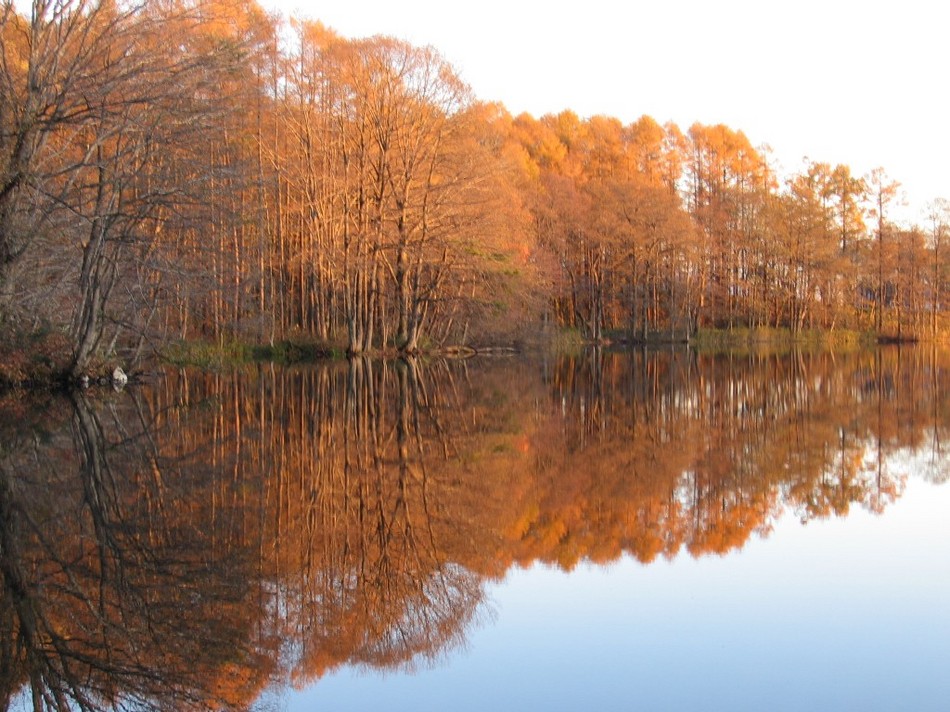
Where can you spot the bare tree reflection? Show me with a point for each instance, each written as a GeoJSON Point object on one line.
{"type": "Point", "coordinates": [110, 601]}
{"type": "Point", "coordinates": [649, 453]}
{"type": "Point", "coordinates": [381, 584]}
{"type": "Point", "coordinates": [218, 535]}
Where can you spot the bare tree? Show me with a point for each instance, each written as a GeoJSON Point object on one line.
{"type": "Point", "coordinates": [99, 151]}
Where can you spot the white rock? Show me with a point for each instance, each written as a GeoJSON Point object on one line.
{"type": "Point", "coordinates": [119, 379]}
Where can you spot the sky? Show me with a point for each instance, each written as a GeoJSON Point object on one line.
{"type": "Point", "coordinates": [802, 620]}
{"type": "Point", "coordinates": [859, 83]}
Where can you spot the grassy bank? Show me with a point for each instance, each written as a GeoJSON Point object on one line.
{"type": "Point", "coordinates": [231, 353]}
{"type": "Point", "coordinates": [33, 359]}
{"type": "Point", "coordinates": [736, 339]}
{"type": "Point", "coordinates": [40, 360]}
{"type": "Point", "coordinates": [781, 339]}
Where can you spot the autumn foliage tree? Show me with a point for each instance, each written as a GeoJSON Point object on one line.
{"type": "Point", "coordinates": [100, 116]}
{"type": "Point", "coordinates": [267, 181]}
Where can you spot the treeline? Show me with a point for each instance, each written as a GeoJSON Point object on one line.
{"type": "Point", "coordinates": [260, 180]}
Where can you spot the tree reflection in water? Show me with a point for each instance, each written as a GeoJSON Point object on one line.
{"type": "Point", "coordinates": [112, 597]}
{"type": "Point", "coordinates": [195, 542]}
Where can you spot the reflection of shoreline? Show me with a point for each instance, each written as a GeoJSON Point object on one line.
{"type": "Point", "coordinates": [812, 603]}
{"type": "Point", "coordinates": [111, 596]}
{"type": "Point", "coordinates": [713, 447]}
{"type": "Point", "coordinates": [350, 514]}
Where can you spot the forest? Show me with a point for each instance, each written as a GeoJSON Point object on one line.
{"type": "Point", "coordinates": [261, 180]}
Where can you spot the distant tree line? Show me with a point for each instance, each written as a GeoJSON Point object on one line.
{"type": "Point", "coordinates": [201, 170]}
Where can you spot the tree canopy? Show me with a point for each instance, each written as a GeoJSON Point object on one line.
{"type": "Point", "coordinates": [259, 179]}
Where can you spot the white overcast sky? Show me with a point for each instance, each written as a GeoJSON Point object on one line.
{"type": "Point", "coordinates": [861, 83]}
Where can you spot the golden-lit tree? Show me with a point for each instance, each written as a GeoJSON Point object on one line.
{"type": "Point", "coordinates": [882, 192]}
{"type": "Point", "coordinates": [263, 181]}
{"type": "Point", "coordinates": [728, 181]}
{"type": "Point", "coordinates": [100, 159]}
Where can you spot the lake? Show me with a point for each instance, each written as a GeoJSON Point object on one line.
{"type": "Point", "coordinates": [614, 530]}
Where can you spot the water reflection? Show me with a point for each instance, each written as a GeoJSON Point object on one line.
{"type": "Point", "coordinates": [113, 594]}
{"type": "Point", "coordinates": [213, 536]}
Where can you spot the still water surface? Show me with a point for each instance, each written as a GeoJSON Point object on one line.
{"type": "Point", "coordinates": [613, 532]}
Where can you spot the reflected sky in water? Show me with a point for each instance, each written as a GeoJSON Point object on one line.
{"type": "Point", "coordinates": [838, 614]}
{"type": "Point", "coordinates": [612, 531]}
